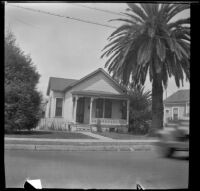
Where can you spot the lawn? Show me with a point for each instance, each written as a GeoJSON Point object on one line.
{"type": "Point", "coordinates": [122, 136]}
{"type": "Point", "coordinates": [49, 135]}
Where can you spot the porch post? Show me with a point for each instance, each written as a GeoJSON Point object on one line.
{"type": "Point", "coordinates": [103, 108]}
{"type": "Point", "coordinates": [75, 108]}
{"type": "Point", "coordinates": [127, 113]}
{"type": "Point", "coordinates": [91, 103]}
{"type": "Point", "coordinates": [186, 109]}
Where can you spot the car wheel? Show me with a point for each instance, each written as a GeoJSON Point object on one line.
{"type": "Point", "coordinates": [166, 151]}
{"type": "Point", "coordinates": [169, 152]}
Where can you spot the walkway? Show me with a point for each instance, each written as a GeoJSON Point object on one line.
{"type": "Point", "coordinates": [96, 136]}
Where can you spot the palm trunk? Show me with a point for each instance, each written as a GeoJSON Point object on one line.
{"type": "Point", "coordinates": [157, 103]}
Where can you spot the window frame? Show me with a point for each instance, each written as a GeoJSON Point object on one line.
{"type": "Point", "coordinates": [56, 107]}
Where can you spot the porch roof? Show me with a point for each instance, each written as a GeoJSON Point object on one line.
{"type": "Point", "coordinates": [99, 94]}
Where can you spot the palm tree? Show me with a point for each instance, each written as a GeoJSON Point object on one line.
{"type": "Point", "coordinates": [150, 42]}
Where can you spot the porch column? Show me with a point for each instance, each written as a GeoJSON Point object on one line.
{"type": "Point", "coordinates": [127, 113]}
{"type": "Point", "coordinates": [75, 108]}
{"type": "Point", "coordinates": [186, 109]}
{"type": "Point", "coordinates": [103, 108]}
{"type": "Point", "coordinates": [91, 103]}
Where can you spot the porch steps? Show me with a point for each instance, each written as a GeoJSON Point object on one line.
{"type": "Point", "coordinates": [82, 127]}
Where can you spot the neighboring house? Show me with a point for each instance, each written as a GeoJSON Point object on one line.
{"type": "Point", "coordinates": [95, 98]}
{"type": "Point", "coordinates": [177, 106]}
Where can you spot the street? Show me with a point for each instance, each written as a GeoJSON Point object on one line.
{"type": "Point", "coordinates": [95, 169]}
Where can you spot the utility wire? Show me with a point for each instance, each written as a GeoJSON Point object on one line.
{"type": "Point", "coordinates": [67, 17]}
{"type": "Point", "coordinates": [81, 20]}
{"type": "Point", "coordinates": [97, 9]}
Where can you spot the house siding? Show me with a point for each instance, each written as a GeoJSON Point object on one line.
{"type": "Point", "coordinates": [51, 106]}
{"type": "Point", "coordinates": [99, 83]}
{"type": "Point", "coordinates": [181, 110]}
{"type": "Point", "coordinates": [68, 107]}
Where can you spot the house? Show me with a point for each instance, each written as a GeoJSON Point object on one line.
{"type": "Point", "coordinates": [95, 98]}
{"type": "Point", "coordinates": [177, 106]}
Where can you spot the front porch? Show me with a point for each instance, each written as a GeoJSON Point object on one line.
{"type": "Point", "coordinates": [94, 108]}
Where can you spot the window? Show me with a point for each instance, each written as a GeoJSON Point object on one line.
{"type": "Point", "coordinates": [108, 108]}
{"type": "Point", "coordinates": [99, 108]}
{"type": "Point", "coordinates": [59, 102]}
{"type": "Point", "coordinates": [124, 109]}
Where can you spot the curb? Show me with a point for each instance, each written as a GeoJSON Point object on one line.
{"type": "Point", "coordinates": [129, 148]}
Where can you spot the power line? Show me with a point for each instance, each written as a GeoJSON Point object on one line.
{"type": "Point", "coordinates": [81, 20]}
{"type": "Point", "coordinates": [67, 17]}
{"type": "Point", "coordinates": [102, 10]}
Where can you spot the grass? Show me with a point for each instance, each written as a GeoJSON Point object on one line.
{"type": "Point", "coordinates": [49, 135]}
{"type": "Point", "coordinates": [122, 136]}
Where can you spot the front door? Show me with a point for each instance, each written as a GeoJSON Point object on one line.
{"type": "Point", "coordinates": [175, 113]}
{"type": "Point", "coordinates": [80, 110]}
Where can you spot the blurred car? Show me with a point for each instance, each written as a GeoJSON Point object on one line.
{"type": "Point", "coordinates": [172, 140]}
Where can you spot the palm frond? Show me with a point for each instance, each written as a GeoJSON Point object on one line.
{"type": "Point", "coordinates": [124, 20]}
{"type": "Point", "coordinates": [176, 9]}
{"type": "Point", "coordinates": [138, 11]}
{"type": "Point", "coordinates": [134, 17]}
{"type": "Point", "coordinates": [179, 22]}
{"type": "Point", "coordinates": [161, 50]}
{"type": "Point", "coordinates": [144, 52]}
{"type": "Point", "coordinates": [124, 27]}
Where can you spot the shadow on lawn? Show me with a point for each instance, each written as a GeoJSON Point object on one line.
{"type": "Point", "coordinates": [29, 133]}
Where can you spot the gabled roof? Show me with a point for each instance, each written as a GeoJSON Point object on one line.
{"type": "Point", "coordinates": [179, 96]}
{"type": "Point", "coordinates": [122, 89]}
{"type": "Point", "coordinates": [59, 84]}
{"type": "Point", "coordinates": [62, 84]}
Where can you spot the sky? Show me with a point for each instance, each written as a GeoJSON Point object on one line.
{"type": "Point", "coordinates": [66, 48]}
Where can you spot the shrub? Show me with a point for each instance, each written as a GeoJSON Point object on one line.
{"type": "Point", "coordinates": [22, 100]}
{"type": "Point", "coordinates": [140, 110]}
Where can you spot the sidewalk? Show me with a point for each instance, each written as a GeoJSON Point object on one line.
{"type": "Point", "coordinates": [102, 140]}
{"type": "Point", "coordinates": [100, 144]}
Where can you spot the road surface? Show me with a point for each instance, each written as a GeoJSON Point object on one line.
{"type": "Point", "coordinates": [95, 169]}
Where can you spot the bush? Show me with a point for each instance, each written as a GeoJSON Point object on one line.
{"type": "Point", "coordinates": [140, 110]}
{"type": "Point", "coordinates": [139, 122]}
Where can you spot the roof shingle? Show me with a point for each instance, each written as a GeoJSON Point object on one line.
{"type": "Point", "coordinates": [59, 84]}
{"type": "Point", "coordinates": [179, 96]}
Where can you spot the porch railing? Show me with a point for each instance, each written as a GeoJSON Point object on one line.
{"type": "Point", "coordinates": [105, 121]}
{"type": "Point", "coordinates": [52, 124]}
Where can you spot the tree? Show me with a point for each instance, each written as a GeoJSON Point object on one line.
{"type": "Point", "coordinates": [150, 42]}
{"type": "Point", "coordinates": [22, 100]}
{"type": "Point", "coordinates": [140, 109]}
